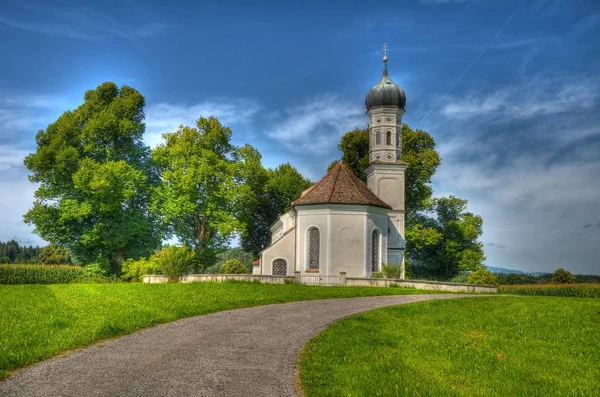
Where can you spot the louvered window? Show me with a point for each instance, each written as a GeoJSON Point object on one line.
{"type": "Point", "coordinates": [389, 138]}
{"type": "Point", "coordinates": [313, 248]}
{"type": "Point", "coordinates": [377, 138]}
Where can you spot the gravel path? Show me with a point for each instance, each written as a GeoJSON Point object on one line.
{"type": "Point", "coordinates": [244, 352]}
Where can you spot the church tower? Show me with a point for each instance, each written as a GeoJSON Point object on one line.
{"type": "Point", "coordinates": [385, 104]}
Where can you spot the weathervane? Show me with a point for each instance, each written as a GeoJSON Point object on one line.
{"type": "Point", "coordinates": [385, 50]}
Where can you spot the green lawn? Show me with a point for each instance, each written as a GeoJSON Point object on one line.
{"type": "Point", "coordinates": [39, 321]}
{"type": "Point", "coordinates": [493, 346]}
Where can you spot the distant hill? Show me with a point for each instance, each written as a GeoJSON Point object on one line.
{"type": "Point", "coordinates": [495, 269]}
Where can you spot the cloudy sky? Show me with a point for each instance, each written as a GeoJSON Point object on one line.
{"type": "Point", "coordinates": [509, 89]}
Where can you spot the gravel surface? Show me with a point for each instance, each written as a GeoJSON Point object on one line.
{"type": "Point", "coordinates": [244, 352]}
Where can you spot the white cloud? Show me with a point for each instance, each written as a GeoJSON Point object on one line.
{"type": "Point", "coordinates": [534, 98]}
{"type": "Point", "coordinates": [165, 117]}
{"type": "Point", "coordinates": [316, 126]}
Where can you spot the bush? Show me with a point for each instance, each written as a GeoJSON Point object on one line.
{"type": "Point", "coordinates": [233, 266]}
{"type": "Point", "coordinates": [133, 270]}
{"type": "Point", "coordinates": [482, 276]}
{"type": "Point", "coordinates": [175, 261]}
{"type": "Point", "coordinates": [377, 275]}
{"type": "Point", "coordinates": [38, 274]}
{"type": "Point", "coordinates": [562, 276]}
{"type": "Point", "coordinates": [96, 272]}
{"type": "Point", "coordinates": [460, 278]}
{"type": "Point", "coordinates": [391, 270]}
{"type": "Point", "coordinates": [232, 253]}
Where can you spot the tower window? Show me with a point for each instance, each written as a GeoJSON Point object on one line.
{"type": "Point", "coordinates": [377, 137]}
{"type": "Point", "coordinates": [388, 138]}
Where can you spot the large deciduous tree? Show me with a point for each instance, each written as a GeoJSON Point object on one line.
{"type": "Point", "coordinates": [94, 174]}
{"type": "Point", "coordinates": [442, 238]}
{"type": "Point", "coordinates": [206, 186]}
{"type": "Point", "coordinates": [281, 186]}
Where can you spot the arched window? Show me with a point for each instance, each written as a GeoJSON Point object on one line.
{"type": "Point", "coordinates": [375, 251]}
{"type": "Point", "coordinates": [388, 139]}
{"type": "Point", "coordinates": [312, 249]}
{"type": "Point", "coordinates": [279, 267]}
{"type": "Point", "coordinates": [377, 137]}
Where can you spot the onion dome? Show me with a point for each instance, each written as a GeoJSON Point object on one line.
{"type": "Point", "coordinates": [385, 93]}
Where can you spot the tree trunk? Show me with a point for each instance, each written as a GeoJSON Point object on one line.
{"type": "Point", "coordinates": [115, 263]}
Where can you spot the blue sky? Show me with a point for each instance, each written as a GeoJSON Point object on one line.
{"type": "Point", "coordinates": [509, 89]}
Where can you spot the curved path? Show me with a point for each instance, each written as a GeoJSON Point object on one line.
{"type": "Point", "coordinates": [244, 352]}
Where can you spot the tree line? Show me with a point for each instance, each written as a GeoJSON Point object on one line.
{"type": "Point", "coordinates": [104, 196]}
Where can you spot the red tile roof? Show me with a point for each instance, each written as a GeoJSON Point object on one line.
{"type": "Point", "coordinates": [340, 186]}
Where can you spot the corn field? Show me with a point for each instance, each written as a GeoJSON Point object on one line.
{"type": "Point", "coordinates": [38, 274]}
{"type": "Point", "coordinates": [572, 290]}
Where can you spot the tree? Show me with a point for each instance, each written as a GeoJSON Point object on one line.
{"type": "Point", "coordinates": [283, 185]}
{"type": "Point", "coordinates": [482, 276]}
{"type": "Point", "coordinates": [441, 236]}
{"type": "Point", "coordinates": [205, 186]}
{"type": "Point", "coordinates": [454, 248]}
{"type": "Point", "coordinates": [562, 276]}
{"type": "Point", "coordinates": [94, 175]}
{"type": "Point", "coordinates": [54, 255]}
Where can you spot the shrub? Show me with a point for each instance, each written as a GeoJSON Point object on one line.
{"type": "Point", "coordinates": [232, 253]}
{"type": "Point", "coordinates": [233, 266]}
{"type": "Point", "coordinates": [460, 278]}
{"type": "Point", "coordinates": [96, 272]}
{"type": "Point", "coordinates": [38, 274]}
{"type": "Point", "coordinates": [376, 275]}
{"type": "Point", "coordinates": [562, 276]}
{"type": "Point", "coordinates": [482, 276]}
{"type": "Point", "coordinates": [175, 261]}
{"type": "Point", "coordinates": [391, 270]}
{"type": "Point", "coordinates": [133, 270]}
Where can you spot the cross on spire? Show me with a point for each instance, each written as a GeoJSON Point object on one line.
{"type": "Point", "coordinates": [385, 50]}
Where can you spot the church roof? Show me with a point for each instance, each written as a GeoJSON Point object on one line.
{"type": "Point", "coordinates": [340, 186]}
{"type": "Point", "coordinates": [385, 93]}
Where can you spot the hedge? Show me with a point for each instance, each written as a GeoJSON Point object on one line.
{"type": "Point", "coordinates": [573, 290]}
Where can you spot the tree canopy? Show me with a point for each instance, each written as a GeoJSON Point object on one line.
{"type": "Point", "coordinates": [274, 196]}
{"type": "Point", "coordinates": [94, 175]}
{"type": "Point", "coordinates": [207, 186]}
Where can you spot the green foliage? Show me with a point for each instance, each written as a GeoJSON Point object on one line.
{"type": "Point", "coordinates": [12, 252]}
{"type": "Point", "coordinates": [94, 175]}
{"type": "Point", "coordinates": [206, 187]}
{"type": "Point", "coordinates": [562, 276]}
{"type": "Point", "coordinates": [97, 272]}
{"type": "Point", "coordinates": [134, 270]}
{"type": "Point", "coordinates": [447, 244]}
{"type": "Point", "coordinates": [482, 276]}
{"type": "Point", "coordinates": [274, 193]}
{"type": "Point", "coordinates": [441, 236]}
{"type": "Point", "coordinates": [377, 275]}
{"type": "Point", "coordinates": [38, 274]}
{"type": "Point", "coordinates": [232, 253]}
{"type": "Point", "coordinates": [459, 347]}
{"type": "Point", "coordinates": [391, 270]}
{"type": "Point", "coordinates": [175, 261]}
{"type": "Point", "coordinates": [54, 255]}
{"type": "Point", "coordinates": [570, 290]}
{"type": "Point", "coordinates": [233, 266]}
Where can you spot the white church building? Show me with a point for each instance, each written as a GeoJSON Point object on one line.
{"type": "Point", "coordinates": [340, 224]}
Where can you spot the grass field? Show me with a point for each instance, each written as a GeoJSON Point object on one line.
{"type": "Point", "coordinates": [39, 321]}
{"type": "Point", "coordinates": [496, 346]}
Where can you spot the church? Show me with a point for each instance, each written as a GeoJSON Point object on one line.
{"type": "Point", "coordinates": [340, 224]}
